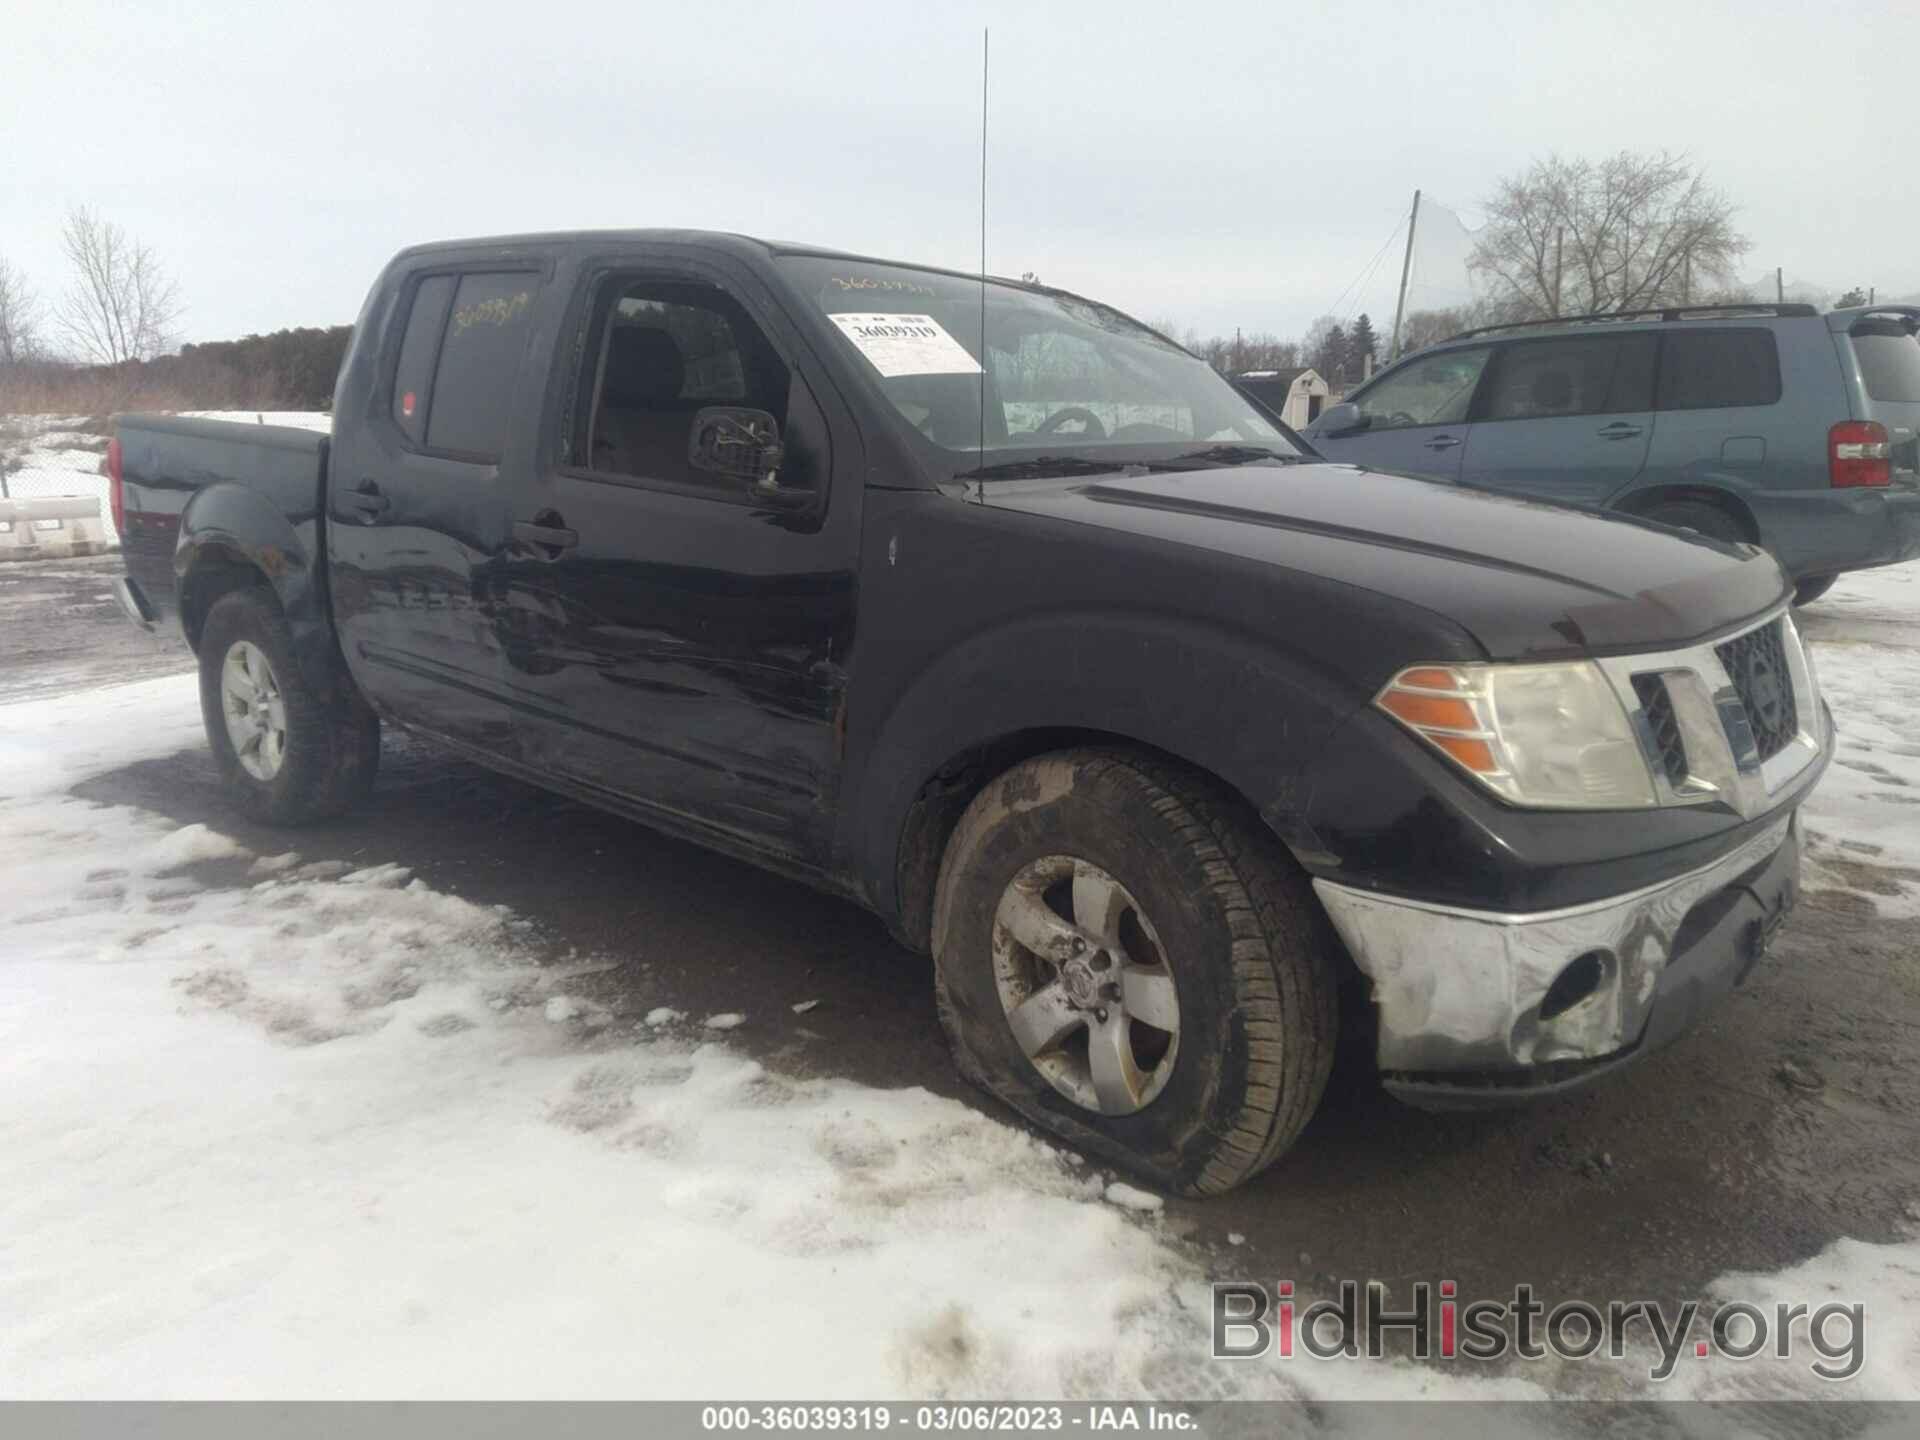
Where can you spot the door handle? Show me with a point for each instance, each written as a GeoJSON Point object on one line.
{"type": "Point", "coordinates": [1442, 442]}
{"type": "Point", "coordinates": [545, 533]}
{"type": "Point", "coordinates": [367, 499]}
{"type": "Point", "coordinates": [1619, 430]}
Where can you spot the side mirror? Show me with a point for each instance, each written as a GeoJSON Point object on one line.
{"type": "Point", "coordinates": [741, 444]}
{"type": "Point", "coordinates": [1338, 419]}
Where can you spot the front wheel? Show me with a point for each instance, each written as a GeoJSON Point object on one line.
{"type": "Point", "coordinates": [1132, 965]}
{"type": "Point", "coordinates": [1806, 591]}
{"type": "Point", "coordinates": [286, 751]}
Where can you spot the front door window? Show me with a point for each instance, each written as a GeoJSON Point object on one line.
{"type": "Point", "coordinates": [1433, 391]}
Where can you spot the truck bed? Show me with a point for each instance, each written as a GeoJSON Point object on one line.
{"type": "Point", "coordinates": [219, 481]}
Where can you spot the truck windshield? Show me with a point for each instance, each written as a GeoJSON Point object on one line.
{"type": "Point", "coordinates": [1070, 386]}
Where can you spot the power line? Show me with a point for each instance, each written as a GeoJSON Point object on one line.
{"type": "Point", "coordinates": [1360, 294]}
{"type": "Point", "coordinates": [1371, 266]}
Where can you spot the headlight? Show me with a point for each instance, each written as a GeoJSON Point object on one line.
{"type": "Point", "coordinates": [1548, 736]}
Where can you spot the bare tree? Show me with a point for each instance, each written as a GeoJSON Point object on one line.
{"type": "Point", "coordinates": [121, 306]}
{"type": "Point", "coordinates": [1629, 232]}
{"type": "Point", "coordinates": [19, 317]}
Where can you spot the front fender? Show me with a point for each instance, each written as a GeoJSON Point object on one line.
{"type": "Point", "coordinates": [1216, 699]}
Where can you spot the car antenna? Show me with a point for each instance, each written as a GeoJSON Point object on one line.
{"type": "Point", "coordinates": [980, 479]}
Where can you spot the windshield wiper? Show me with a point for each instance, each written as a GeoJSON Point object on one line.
{"type": "Point", "coordinates": [1235, 455]}
{"type": "Point", "coordinates": [1042, 468]}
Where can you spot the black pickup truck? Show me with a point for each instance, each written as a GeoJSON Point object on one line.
{"type": "Point", "coordinates": [1048, 647]}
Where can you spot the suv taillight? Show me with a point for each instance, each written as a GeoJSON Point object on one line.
{"type": "Point", "coordinates": [1858, 454]}
{"type": "Point", "coordinates": [115, 502]}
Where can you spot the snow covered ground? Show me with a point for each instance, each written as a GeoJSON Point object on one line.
{"type": "Point", "coordinates": [1865, 817]}
{"type": "Point", "coordinates": [279, 1129]}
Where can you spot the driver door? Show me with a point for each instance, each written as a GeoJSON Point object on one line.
{"type": "Point", "coordinates": [1414, 417]}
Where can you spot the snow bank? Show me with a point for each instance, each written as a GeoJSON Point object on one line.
{"type": "Point", "coordinates": [1864, 820]}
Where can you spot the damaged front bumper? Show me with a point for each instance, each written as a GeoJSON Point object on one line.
{"type": "Point", "coordinates": [1478, 1007]}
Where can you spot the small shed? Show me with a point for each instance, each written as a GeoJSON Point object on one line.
{"type": "Point", "coordinates": [1297, 395]}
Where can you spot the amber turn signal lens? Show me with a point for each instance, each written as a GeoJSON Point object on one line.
{"type": "Point", "coordinates": [1428, 678]}
{"type": "Point", "coordinates": [1476, 755]}
{"type": "Point", "coordinates": [1430, 711]}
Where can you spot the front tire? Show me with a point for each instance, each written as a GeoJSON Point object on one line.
{"type": "Point", "coordinates": [287, 753]}
{"type": "Point", "coordinates": [1806, 591]}
{"type": "Point", "coordinates": [1131, 965]}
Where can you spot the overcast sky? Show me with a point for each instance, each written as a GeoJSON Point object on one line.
{"type": "Point", "coordinates": [1214, 164]}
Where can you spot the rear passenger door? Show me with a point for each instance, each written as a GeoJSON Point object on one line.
{"type": "Point", "coordinates": [1722, 426]}
{"type": "Point", "coordinates": [1414, 417]}
{"type": "Point", "coordinates": [1567, 419]}
{"type": "Point", "coordinates": [418, 521]}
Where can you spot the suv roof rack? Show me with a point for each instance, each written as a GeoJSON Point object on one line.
{"type": "Point", "coordinates": [1791, 309]}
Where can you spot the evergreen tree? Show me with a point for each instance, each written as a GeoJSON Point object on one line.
{"type": "Point", "coordinates": [1362, 345]}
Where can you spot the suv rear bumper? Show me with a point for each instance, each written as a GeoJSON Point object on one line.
{"type": "Point", "coordinates": [1821, 532]}
{"type": "Point", "coordinates": [1478, 1007]}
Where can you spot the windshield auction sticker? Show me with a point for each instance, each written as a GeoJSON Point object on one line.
{"type": "Point", "coordinates": [907, 345]}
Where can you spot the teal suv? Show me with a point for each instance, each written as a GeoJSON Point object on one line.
{"type": "Point", "coordinates": [1781, 425]}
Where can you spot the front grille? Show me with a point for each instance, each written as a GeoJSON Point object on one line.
{"type": "Point", "coordinates": [1757, 664]}
{"type": "Point", "coordinates": [1670, 750]}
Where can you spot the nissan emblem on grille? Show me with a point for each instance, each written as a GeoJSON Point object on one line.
{"type": "Point", "coordinates": [1757, 665]}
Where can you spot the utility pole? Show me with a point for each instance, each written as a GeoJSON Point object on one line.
{"type": "Point", "coordinates": [1871, 292]}
{"type": "Point", "coordinates": [1686, 278]}
{"type": "Point", "coordinates": [1406, 269]}
{"type": "Point", "coordinates": [1779, 285]}
{"type": "Point", "coordinates": [1559, 240]}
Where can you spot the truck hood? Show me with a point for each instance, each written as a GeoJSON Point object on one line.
{"type": "Point", "coordinates": [1527, 580]}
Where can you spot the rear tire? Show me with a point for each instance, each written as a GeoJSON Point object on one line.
{"type": "Point", "coordinates": [1806, 591]}
{"type": "Point", "coordinates": [1214, 931]}
{"type": "Point", "coordinates": [286, 752]}
{"type": "Point", "coordinates": [1710, 520]}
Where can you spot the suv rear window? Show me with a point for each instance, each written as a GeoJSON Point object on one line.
{"type": "Point", "coordinates": [1890, 366]}
{"type": "Point", "coordinates": [1718, 369]}
{"type": "Point", "coordinates": [480, 354]}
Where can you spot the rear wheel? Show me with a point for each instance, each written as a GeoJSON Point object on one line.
{"type": "Point", "coordinates": [286, 751]}
{"type": "Point", "coordinates": [1710, 520]}
{"type": "Point", "coordinates": [1806, 591]}
{"type": "Point", "coordinates": [1127, 962]}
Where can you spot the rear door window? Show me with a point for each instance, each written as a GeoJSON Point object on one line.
{"type": "Point", "coordinates": [1889, 365]}
{"type": "Point", "coordinates": [1579, 375]}
{"type": "Point", "coordinates": [1718, 369]}
{"type": "Point", "coordinates": [480, 354]}
{"type": "Point", "coordinates": [413, 377]}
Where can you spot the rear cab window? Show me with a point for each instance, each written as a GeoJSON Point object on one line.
{"type": "Point", "coordinates": [459, 361]}
{"type": "Point", "coordinates": [1718, 369]}
{"type": "Point", "coordinates": [419, 349]}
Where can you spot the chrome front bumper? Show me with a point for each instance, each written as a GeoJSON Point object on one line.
{"type": "Point", "coordinates": [1468, 998]}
